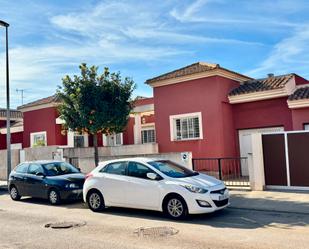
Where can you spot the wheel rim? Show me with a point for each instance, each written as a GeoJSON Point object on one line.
{"type": "Point", "coordinates": [14, 193]}
{"type": "Point", "coordinates": [95, 201]}
{"type": "Point", "coordinates": [53, 196]}
{"type": "Point", "coordinates": [175, 207]}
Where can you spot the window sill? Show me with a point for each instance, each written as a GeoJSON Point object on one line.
{"type": "Point", "coordinates": [187, 139]}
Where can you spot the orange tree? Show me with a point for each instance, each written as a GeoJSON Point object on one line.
{"type": "Point", "coordinates": [91, 103]}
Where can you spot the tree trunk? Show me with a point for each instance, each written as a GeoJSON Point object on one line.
{"type": "Point", "coordinates": [95, 146]}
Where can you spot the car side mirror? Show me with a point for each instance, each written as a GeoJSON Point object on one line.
{"type": "Point", "coordinates": [40, 174]}
{"type": "Point", "coordinates": [152, 176]}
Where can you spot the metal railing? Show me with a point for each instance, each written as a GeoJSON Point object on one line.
{"type": "Point", "coordinates": [74, 161]}
{"type": "Point", "coordinates": [232, 170]}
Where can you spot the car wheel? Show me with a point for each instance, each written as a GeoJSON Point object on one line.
{"type": "Point", "coordinates": [14, 194]}
{"type": "Point", "coordinates": [175, 207]}
{"type": "Point", "coordinates": [95, 201]}
{"type": "Point", "coordinates": [54, 197]}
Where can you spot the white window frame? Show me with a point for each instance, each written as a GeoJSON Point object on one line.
{"type": "Point", "coordinates": [105, 137]}
{"type": "Point", "coordinates": [37, 133]}
{"type": "Point", "coordinates": [306, 127]}
{"type": "Point", "coordinates": [148, 128]}
{"type": "Point", "coordinates": [173, 129]}
{"type": "Point", "coordinates": [70, 139]}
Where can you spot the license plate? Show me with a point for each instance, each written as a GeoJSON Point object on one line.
{"type": "Point", "coordinates": [223, 197]}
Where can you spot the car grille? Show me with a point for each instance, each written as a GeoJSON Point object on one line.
{"type": "Point", "coordinates": [221, 203]}
{"type": "Point", "coordinates": [219, 191]}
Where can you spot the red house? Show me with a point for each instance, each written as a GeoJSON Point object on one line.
{"type": "Point", "coordinates": [43, 127]}
{"type": "Point", "coordinates": [203, 108]}
{"type": "Point", "coordinates": [212, 111]}
{"type": "Point", "coordinates": [16, 129]}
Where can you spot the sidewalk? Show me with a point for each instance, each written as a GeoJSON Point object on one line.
{"type": "Point", "coordinates": [289, 202]}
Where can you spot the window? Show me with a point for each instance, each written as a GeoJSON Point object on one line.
{"type": "Point", "coordinates": [38, 139]}
{"type": "Point", "coordinates": [306, 126]}
{"type": "Point", "coordinates": [59, 168]}
{"type": "Point", "coordinates": [172, 169]}
{"type": "Point", "coordinates": [35, 168]}
{"type": "Point", "coordinates": [79, 141]}
{"type": "Point", "coordinates": [186, 126]}
{"type": "Point", "coordinates": [148, 136]}
{"type": "Point", "coordinates": [118, 168]}
{"type": "Point", "coordinates": [113, 140]}
{"type": "Point", "coordinates": [22, 168]}
{"type": "Point", "coordinates": [138, 170]}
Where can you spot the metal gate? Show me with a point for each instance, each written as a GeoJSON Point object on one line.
{"type": "Point", "coordinates": [227, 169]}
{"type": "Point", "coordinates": [286, 163]}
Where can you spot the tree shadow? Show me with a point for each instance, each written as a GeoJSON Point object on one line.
{"type": "Point", "coordinates": [231, 217]}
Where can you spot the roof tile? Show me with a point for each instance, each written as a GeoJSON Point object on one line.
{"type": "Point", "coordinates": [265, 84]}
{"type": "Point", "coordinates": [47, 100]}
{"type": "Point", "coordinates": [14, 114]}
{"type": "Point", "coordinates": [300, 93]}
{"type": "Point", "coordinates": [198, 67]}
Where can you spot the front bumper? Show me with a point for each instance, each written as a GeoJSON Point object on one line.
{"type": "Point", "coordinates": [217, 202]}
{"type": "Point", "coordinates": [71, 194]}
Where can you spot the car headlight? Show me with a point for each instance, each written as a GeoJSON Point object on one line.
{"type": "Point", "coordinates": [195, 189]}
{"type": "Point", "coordinates": [71, 185]}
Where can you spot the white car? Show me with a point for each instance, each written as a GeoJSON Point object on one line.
{"type": "Point", "coordinates": [152, 184]}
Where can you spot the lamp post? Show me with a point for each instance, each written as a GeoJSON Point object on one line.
{"type": "Point", "coordinates": [8, 114]}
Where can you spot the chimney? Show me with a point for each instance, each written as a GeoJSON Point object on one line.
{"type": "Point", "coordinates": [270, 75]}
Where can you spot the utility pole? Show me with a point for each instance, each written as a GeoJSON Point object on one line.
{"type": "Point", "coordinates": [21, 91]}
{"type": "Point", "coordinates": [8, 113]}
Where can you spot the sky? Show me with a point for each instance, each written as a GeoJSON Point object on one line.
{"type": "Point", "coordinates": [143, 39]}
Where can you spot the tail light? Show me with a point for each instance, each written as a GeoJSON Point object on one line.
{"type": "Point", "coordinates": [88, 176]}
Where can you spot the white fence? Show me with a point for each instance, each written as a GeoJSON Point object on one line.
{"type": "Point", "coordinates": [84, 157]}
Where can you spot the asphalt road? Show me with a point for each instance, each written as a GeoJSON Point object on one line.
{"type": "Point", "coordinates": [22, 225]}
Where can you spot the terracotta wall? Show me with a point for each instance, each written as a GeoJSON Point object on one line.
{"type": "Point", "coordinates": [300, 117]}
{"type": "Point", "coordinates": [208, 96]}
{"type": "Point", "coordinates": [43, 120]}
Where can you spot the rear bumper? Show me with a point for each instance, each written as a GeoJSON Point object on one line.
{"type": "Point", "coordinates": [74, 194]}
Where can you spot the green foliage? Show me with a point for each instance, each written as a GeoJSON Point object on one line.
{"type": "Point", "coordinates": [39, 143]}
{"type": "Point", "coordinates": [92, 103]}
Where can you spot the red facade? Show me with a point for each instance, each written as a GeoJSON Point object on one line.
{"type": "Point", "coordinates": [43, 120]}
{"type": "Point", "coordinates": [221, 120]}
{"type": "Point", "coordinates": [208, 96]}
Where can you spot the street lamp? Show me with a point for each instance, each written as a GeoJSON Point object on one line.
{"type": "Point", "coordinates": [8, 114]}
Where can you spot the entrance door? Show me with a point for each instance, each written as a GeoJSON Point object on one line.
{"type": "Point", "coordinates": [245, 143]}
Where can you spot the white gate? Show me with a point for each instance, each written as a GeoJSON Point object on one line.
{"type": "Point", "coordinates": [245, 143]}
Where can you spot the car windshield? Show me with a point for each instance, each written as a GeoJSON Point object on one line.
{"type": "Point", "coordinates": [59, 168]}
{"type": "Point", "coordinates": [172, 169]}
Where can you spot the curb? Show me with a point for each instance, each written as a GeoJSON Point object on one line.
{"type": "Point", "coordinates": [3, 188]}
{"type": "Point", "coordinates": [269, 210]}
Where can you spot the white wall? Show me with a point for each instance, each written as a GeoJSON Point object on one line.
{"type": "Point", "coordinates": [86, 164]}
{"type": "Point", "coordinates": [256, 163]}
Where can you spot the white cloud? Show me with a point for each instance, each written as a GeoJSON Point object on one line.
{"type": "Point", "coordinates": [239, 13]}
{"type": "Point", "coordinates": [289, 55]}
{"type": "Point", "coordinates": [134, 33]}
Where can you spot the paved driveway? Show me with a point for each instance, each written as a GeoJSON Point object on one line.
{"type": "Point", "coordinates": [22, 226]}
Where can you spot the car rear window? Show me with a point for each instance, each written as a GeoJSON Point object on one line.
{"type": "Point", "coordinates": [22, 168]}
{"type": "Point", "coordinates": [118, 168]}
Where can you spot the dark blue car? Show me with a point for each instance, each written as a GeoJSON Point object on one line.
{"type": "Point", "coordinates": [52, 180]}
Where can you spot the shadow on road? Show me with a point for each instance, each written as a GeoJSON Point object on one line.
{"type": "Point", "coordinates": [227, 218]}
{"type": "Point", "coordinates": [3, 191]}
